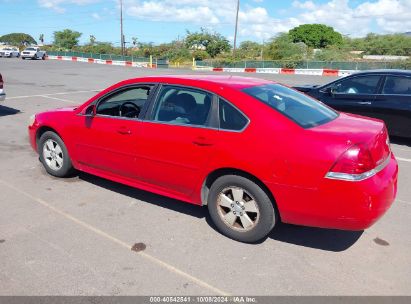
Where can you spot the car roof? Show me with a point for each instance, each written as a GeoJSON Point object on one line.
{"type": "Point", "coordinates": [385, 71]}
{"type": "Point", "coordinates": [237, 82]}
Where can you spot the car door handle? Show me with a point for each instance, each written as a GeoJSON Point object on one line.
{"type": "Point", "coordinates": [364, 102]}
{"type": "Point", "coordinates": [124, 131]}
{"type": "Point", "coordinates": [202, 142]}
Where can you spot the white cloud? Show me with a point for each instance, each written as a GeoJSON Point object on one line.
{"type": "Point", "coordinates": [58, 5]}
{"type": "Point", "coordinates": [256, 22]}
{"type": "Point", "coordinates": [309, 5]}
{"type": "Point", "coordinates": [201, 12]}
{"type": "Point", "coordinates": [96, 16]}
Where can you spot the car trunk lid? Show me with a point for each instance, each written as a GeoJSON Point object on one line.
{"type": "Point", "coordinates": [355, 134]}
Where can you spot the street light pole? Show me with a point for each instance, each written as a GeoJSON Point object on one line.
{"type": "Point", "coordinates": [236, 28]}
{"type": "Point", "coordinates": [121, 27]}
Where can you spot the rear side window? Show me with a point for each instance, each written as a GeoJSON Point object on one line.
{"type": "Point", "coordinates": [231, 118]}
{"type": "Point", "coordinates": [395, 85]}
{"type": "Point", "coordinates": [303, 110]}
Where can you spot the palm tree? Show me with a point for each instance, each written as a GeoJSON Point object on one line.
{"type": "Point", "coordinates": [92, 39]}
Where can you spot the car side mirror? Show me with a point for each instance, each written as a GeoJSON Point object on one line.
{"type": "Point", "coordinates": [91, 111]}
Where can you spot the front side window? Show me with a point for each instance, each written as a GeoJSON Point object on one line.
{"type": "Point", "coordinates": [182, 106]}
{"type": "Point", "coordinates": [230, 118]}
{"type": "Point", "coordinates": [356, 85]}
{"type": "Point", "coordinates": [125, 103]}
{"type": "Point", "coordinates": [396, 85]}
{"type": "Point", "coordinates": [305, 111]}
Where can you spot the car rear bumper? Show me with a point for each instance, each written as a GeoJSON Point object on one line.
{"type": "Point", "coordinates": [338, 204]}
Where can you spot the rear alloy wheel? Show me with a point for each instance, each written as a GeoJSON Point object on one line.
{"type": "Point", "coordinates": [240, 209]}
{"type": "Point", "coordinates": [54, 155]}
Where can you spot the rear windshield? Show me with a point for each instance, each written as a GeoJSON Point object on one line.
{"type": "Point", "coordinates": [303, 110]}
{"type": "Point", "coordinates": [30, 49]}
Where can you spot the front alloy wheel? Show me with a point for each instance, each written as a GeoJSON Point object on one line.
{"type": "Point", "coordinates": [53, 154]}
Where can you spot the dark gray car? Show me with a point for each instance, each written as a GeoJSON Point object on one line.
{"type": "Point", "coordinates": [383, 94]}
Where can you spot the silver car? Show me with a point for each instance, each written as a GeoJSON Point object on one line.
{"type": "Point", "coordinates": [10, 52]}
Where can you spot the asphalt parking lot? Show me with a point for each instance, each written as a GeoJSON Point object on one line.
{"type": "Point", "coordinates": [74, 236]}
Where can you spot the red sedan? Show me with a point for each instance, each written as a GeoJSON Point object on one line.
{"type": "Point", "coordinates": [255, 152]}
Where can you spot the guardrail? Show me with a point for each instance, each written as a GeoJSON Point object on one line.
{"type": "Point", "coordinates": [100, 58]}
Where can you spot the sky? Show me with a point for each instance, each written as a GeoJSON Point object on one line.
{"type": "Point", "coordinates": [160, 21]}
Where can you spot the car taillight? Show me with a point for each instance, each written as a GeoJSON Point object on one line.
{"type": "Point", "coordinates": [363, 160]}
{"type": "Point", "coordinates": [1, 82]}
{"type": "Point", "coordinates": [356, 160]}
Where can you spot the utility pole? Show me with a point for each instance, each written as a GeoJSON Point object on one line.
{"type": "Point", "coordinates": [262, 51]}
{"type": "Point", "coordinates": [121, 27]}
{"type": "Point", "coordinates": [236, 28]}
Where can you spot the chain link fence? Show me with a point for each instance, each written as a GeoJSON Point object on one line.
{"type": "Point", "coordinates": [337, 65]}
{"type": "Point", "coordinates": [164, 63]}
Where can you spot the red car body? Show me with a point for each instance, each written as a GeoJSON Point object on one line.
{"type": "Point", "coordinates": [290, 161]}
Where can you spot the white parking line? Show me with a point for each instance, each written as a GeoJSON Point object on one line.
{"type": "Point", "coordinates": [52, 94]}
{"type": "Point", "coordinates": [101, 233]}
{"type": "Point", "coordinates": [403, 159]}
{"type": "Point", "coordinates": [400, 148]}
{"type": "Point", "coordinates": [60, 99]}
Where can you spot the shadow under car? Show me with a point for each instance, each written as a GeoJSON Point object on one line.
{"type": "Point", "coordinates": [317, 238]}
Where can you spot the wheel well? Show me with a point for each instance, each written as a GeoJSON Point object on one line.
{"type": "Point", "coordinates": [43, 130]}
{"type": "Point", "coordinates": [212, 177]}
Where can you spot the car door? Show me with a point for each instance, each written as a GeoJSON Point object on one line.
{"type": "Point", "coordinates": [393, 104]}
{"type": "Point", "coordinates": [354, 94]}
{"type": "Point", "coordinates": [107, 141]}
{"type": "Point", "coordinates": [177, 140]}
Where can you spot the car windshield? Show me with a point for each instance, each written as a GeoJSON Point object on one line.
{"type": "Point", "coordinates": [305, 111]}
{"type": "Point", "coordinates": [30, 49]}
{"type": "Point", "coordinates": [6, 49]}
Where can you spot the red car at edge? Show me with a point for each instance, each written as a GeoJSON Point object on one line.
{"type": "Point", "coordinates": [254, 151]}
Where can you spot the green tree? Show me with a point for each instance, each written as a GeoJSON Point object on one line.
{"type": "Point", "coordinates": [250, 50]}
{"type": "Point", "coordinates": [282, 47]}
{"type": "Point", "coordinates": [200, 55]}
{"type": "Point", "coordinates": [18, 39]}
{"type": "Point", "coordinates": [99, 48]}
{"type": "Point", "coordinates": [213, 43]}
{"type": "Point", "coordinates": [373, 44]}
{"type": "Point", "coordinates": [316, 35]}
{"type": "Point", "coordinates": [66, 39]}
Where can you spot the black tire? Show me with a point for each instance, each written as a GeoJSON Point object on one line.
{"type": "Point", "coordinates": [67, 168]}
{"type": "Point", "coordinates": [44, 57]}
{"type": "Point", "coordinates": [267, 217]}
